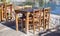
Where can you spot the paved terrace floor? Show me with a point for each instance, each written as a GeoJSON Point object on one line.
{"type": "Point", "coordinates": [7, 28]}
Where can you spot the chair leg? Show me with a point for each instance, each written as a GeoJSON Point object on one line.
{"type": "Point", "coordinates": [39, 26]}
{"type": "Point", "coordinates": [22, 26]}
{"type": "Point", "coordinates": [48, 20]}
{"type": "Point", "coordinates": [2, 13]}
{"type": "Point", "coordinates": [34, 29]}
{"type": "Point", "coordinates": [44, 25]}
{"type": "Point", "coordinates": [33, 26]}
{"type": "Point", "coordinates": [48, 23]}
{"type": "Point", "coordinates": [0, 16]}
{"type": "Point", "coordinates": [39, 23]}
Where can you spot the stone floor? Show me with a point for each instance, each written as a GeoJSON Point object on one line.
{"type": "Point", "coordinates": [8, 29]}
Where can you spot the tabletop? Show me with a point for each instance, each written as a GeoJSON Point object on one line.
{"type": "Point", "coordinates": [26, 9]}
{"type": "Point", "coordinates": [7, 4]}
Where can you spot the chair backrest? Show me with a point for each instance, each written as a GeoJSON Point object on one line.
{"type": "Point", "coordinates": [37, 14]}
{"type": "Point", "coordinates": [47, 12]}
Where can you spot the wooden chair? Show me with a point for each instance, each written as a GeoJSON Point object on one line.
{"type": "Point", "coordinates": [7, 12]}
{"type": "Point", "coordinates": [34, 19]}
{"type": "Point", "coordinates": [46, 17]}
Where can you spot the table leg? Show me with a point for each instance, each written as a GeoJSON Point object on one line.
{"type": "Point", "coordinates": [16, 19]}
{"type": "Point", "coordinates": [27, 22]}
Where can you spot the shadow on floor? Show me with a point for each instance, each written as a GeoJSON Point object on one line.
{"type": "Point", "coordinates": [11, 24]}
{"type": "Point", "coordinates": [48, 32]}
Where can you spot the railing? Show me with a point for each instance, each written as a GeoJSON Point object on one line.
{"type": "Point", "coordinates": [55, 19]}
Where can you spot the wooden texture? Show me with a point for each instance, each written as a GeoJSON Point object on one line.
{"type": "Point", "coordinates": [11, 11]}
{"type": "Point", "coordinates": [36, 19]}
{"type": "Point", "coordinates": [0, 15]}
{"type": "Point", "coordinates": [46, 17]}
{"type": "Point", "coordinates": [1, 12]}
{"type": "Point", "coordinates": [16, 20]}
{"type": "Point", "coordinates": [4, 10]}
{"type": "Point", "coordinates": [10, 7]}
{"type": "Point", "coordinates": [27, 22]}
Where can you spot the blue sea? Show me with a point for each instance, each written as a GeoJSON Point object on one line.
{"type": "Point", "coordinates": [55, 9]}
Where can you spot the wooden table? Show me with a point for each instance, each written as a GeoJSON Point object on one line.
{"type": "Point", "coordinates": [27, 12]}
